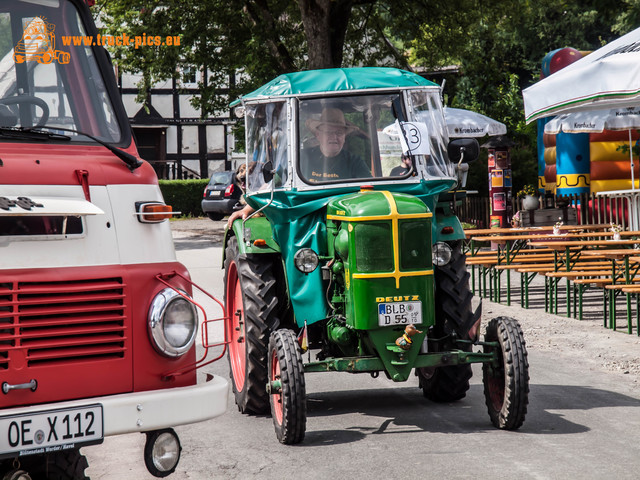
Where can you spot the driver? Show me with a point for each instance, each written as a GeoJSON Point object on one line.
{"type": "Point", "coordinates": [329, 160]}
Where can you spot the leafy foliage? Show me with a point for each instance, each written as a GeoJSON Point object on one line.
{"type": "Point", "coordinates": [184, 195]}
{"type": "Point", "coordinates": [497, 46]}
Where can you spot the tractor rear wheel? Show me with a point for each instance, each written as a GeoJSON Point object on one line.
{"type": "Point", "coordinates": [506, 381]}
{"type": "Point", "coordinates": [287, 387]}
{"type": "Point", "coordinates": [454, 315]}
{"type": "Point", "coordinates": [251, 307]}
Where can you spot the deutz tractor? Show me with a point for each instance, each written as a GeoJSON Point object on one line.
{"type": "Point", "coordinates": [354, 261]}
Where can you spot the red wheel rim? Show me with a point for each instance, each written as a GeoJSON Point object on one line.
{"type": "Point", "coordinates": [276, 398]}
{"type": "Point", "coordinates": [235, 327]}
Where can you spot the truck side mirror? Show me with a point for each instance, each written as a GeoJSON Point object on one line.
{"type": "Point", "coordinates": [463, 150]}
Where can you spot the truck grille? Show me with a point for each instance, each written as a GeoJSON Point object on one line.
{"type": "Point", "coordinates": [67, 321]}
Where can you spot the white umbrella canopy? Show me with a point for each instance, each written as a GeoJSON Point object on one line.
{"type": "Point", "coordinates": [607, 78]}
{"type": "Point", "coordinates": [596, 121]}
{"type": "Point", "coordinates": [463, 123]}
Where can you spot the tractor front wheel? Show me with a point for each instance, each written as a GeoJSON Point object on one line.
{"type": "Point", "coordinates": [506, 380]}
{"type": "Point", "coordinates": [251, 307]}
{"type": "Point", "coordinates": [286, 387]}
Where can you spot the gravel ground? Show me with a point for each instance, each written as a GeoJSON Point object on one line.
{"type": "Point", "coordinates": [586, 341]}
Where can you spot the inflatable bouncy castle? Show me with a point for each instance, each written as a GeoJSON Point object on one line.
{"type": "Point", "coordinates": [574, 163]}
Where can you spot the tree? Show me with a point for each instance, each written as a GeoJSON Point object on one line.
{"type": "Point", "coordinates": [499, 47]}
{"type": "Point", "coordinates": [629, 18]}
{"type": "Point", "coordinates": [259, 39]}
{"type": "Point", "coordinates": [497, 44]}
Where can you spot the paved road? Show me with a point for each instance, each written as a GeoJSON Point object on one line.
{"type": "Point", "coordinates": [582, 423]}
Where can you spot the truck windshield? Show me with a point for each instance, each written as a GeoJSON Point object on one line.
{"type": "Point", "coordinates": [359, 138]}
{"type": "Point", "coordinates": [48, 76]}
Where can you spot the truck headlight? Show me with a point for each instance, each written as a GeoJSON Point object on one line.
{"type": "Point", "coordinates": [162, 452]}
{"type": "Point", "coordinates": [441, 254]}
{"type": "Point", "coordinates": [306, 260]}
{"type": "Point", "coordinates": [173, 323]}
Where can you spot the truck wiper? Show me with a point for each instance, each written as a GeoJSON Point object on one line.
{"type": "Point", "coordinates": [17, 132]}
{"type": "Point", "coordinates": [131, 161]}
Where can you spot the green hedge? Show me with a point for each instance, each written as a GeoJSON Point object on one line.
{"type": "Point", "coordinates": [184, 195]}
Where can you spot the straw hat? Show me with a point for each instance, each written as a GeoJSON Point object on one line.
{"type": "Point", "coordinates": [332, 117]}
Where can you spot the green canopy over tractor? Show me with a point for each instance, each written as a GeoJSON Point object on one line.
{"type": "Point", "coordinates": [336, 80]}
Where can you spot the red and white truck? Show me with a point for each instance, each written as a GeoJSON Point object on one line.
{"type": "Point", "coordinates": [97, 329]}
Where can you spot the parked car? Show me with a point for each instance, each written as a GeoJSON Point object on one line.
{"type": "Point", "coordinates": [221, 195]}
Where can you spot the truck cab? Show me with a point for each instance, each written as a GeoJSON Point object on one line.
{"type": "Point", "coordinates": [97, 327]}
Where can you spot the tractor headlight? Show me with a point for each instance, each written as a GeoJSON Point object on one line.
{"type": "Point", "coordinates": [306, 260]}
{"type": "Point", "coordinates": [173, 323]}
{"type": "Point", "coordinates": [441, 254]}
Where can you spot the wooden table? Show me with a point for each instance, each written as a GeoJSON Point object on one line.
{"type": "Point", "coordinates": [561, 245]}
{"type": "Point", "coordinates": [624, 254]}
{"type": "Point", "coordinates": [565, 246]}
{"type": "Point", "coordinates": [517, 230]}
{"type": "Point", "coordinates": [472, 234]}
{"type": "Point", "coordinates": [509, 245]}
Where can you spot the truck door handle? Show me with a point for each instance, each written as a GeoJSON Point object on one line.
{"type": "Point", "coordinates": [32, 385]}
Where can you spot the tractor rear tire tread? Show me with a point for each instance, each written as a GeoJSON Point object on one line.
{"type": "Point", "coordinates": [260, 305]}
{"type": "Point", "coordinates": [454, 314]}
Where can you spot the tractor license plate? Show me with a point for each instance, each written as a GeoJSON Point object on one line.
{"type": "Point", "coordinates": [50, 431]}
{"type": "Point", "coordinates": [399, 313]}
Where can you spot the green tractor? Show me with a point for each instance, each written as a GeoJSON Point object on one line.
{"type": "Point", "coordinates": [353, 253]}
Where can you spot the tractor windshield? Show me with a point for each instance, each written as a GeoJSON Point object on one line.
{"type": "Point", "coordinates": [366, 137]}
{"type": "Point", "coordinates": [49, 74]}
{"type": "Point", "coordinates": [426, 109]}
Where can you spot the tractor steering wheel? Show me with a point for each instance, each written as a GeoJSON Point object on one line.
{"type": "Point", "coordinates": [30, 100]}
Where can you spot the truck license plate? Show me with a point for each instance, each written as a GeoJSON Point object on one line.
{"type": "Point", "coordinates": [399, 313]}
{"type": "Point", "coordinates": [50, 431]}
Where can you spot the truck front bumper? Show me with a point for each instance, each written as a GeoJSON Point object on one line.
{"type": "Point", "coordinates": [153, 409]}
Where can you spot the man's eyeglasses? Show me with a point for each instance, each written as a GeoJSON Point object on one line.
{"type": "Point", "coordinates": [331, 132]}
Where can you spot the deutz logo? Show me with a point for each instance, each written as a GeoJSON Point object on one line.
{"type": "Point", "coordinates": [406, 298]}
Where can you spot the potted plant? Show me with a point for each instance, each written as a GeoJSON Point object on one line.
{"type": "Point", "coordinates": [616, 229]}
{"type": "Point", "coordinates": [529, 199]}
{"type": "Point", "coordinates": [556, 227]}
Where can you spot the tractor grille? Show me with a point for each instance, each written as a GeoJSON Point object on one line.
{"type": "Point", "coordinates": [62, 322]}
{"type": "Point", "coordinates": [415, 244]}
{"type": "Point", "coordinates": [374, 249]}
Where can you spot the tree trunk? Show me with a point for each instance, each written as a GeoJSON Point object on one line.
{"type": "Point", "coordinates": [325, 26]}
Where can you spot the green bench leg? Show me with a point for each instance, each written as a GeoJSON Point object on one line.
{"type": "Point", "coordinates": [629, 320]}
